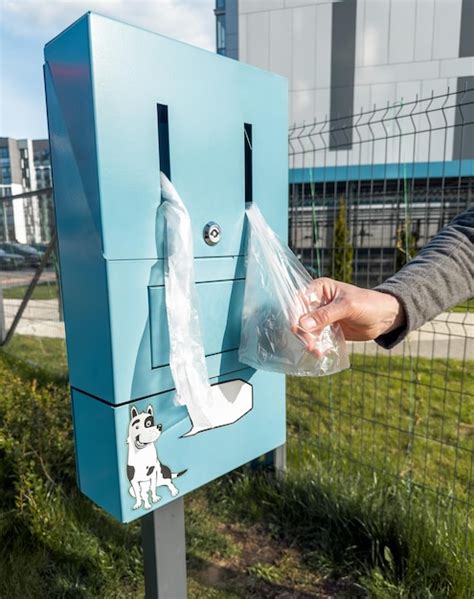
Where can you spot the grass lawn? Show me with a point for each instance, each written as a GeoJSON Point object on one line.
{"type": "Point", "coordinates": [336, 526]}
{"type": "Point", "coordinates": [464, 307]}
{"type": "Point", "coordinates": [42, 291]}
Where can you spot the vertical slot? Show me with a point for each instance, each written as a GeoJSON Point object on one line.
{"type": "Point", "coordinates": [248, 162]}
{"type": "Point", "coordinates": [164, 139]}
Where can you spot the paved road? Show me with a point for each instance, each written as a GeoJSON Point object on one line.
{"type": "Point", "coordinates": [40, 318]}
{"type": "Point", "coordinates": [14, 278]}
{"type": "Point", "coordinates": [448, 335]}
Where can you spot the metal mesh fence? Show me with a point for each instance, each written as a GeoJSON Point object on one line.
{"type": "Point", "coordinates": [366, 192]}
{"type": "Point", "coordinates": [29, 292]}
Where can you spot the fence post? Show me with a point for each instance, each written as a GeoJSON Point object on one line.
{"type": "Point", "coordinates": [164, 552]}
{"type": "Point", "coordinates": [3, 328]}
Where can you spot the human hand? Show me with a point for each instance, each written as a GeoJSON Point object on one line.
{"type": "Point", "coordinates": [363, 314]}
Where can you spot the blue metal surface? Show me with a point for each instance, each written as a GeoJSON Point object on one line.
{"type": "Point", "coordinates": [364, 172]}
{"type": "Point", "coordinates": [104, 80]}
{"type": "Point", "coordinates": [206, 456]}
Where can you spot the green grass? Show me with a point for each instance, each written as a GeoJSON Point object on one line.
{"type": "Point", "coordinates": [42, 291]}
{"type": "Point", "coordinates": [41, 358]}
{"type": "Point", "coordinates": [464, 307]}
{"type": "Point", "coordinates": [415, 424]}
{"type": "Point", "coordinates": [347, 521]}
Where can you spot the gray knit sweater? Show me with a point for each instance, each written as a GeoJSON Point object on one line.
{"type": "Point", "coordinates": [440, 276]}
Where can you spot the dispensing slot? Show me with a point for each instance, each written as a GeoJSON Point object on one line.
{"type": "Point", "coordinates": [164, 139]}
{"type": "Point", "coordinates": [248, 162]}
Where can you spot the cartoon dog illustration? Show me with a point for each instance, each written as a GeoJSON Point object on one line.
{"type": "Point", "coordinates": [144, 471]}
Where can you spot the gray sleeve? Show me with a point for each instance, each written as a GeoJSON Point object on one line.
{"type": "Point", "coordinates": [440, 276]}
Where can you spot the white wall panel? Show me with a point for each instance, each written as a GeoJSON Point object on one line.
{"type": "Point", "coordinates": [360, 33]}
{"type": "Point", "coordinates": [281, 42]}
{"type": "Point", "coordinates": [304, 47]}
{"type": "Point", "coordinates": [360, 153]}
{"type": "Point", "coordinates": [457, 67]}
{"type": "Point", "coordinates": [437, 86]}
{"type": "Point", "coordinates": [258, 39]}
{"type": "Point", "coordinates": [250, 6]}
{"type": "Point", "coordinates": [424, 29]}
{"type": "Point", "coordinates": [408, 91]}
{"type": "Point", "coordinates": [299, 3]}
{"type": "Point", "coordinates": [361, 98]}
{"type": "Point", "coordinates": [302, 103]}
{"type": "Point", "coordinates": [321, 104]}
{"type": "Point", "coordinates": [323, 20]}
{"type": "Point", "coordinates": [402, 31]}
{"type": "Point", "coordinates": [430, 144]}
{"type": "Point", "coordinates": [383, 150]}
{"type": "Point", "coordinates": [397, 72]}
{"type": "Point", "coordinates": [380, 94]}
{"type": "Point", "coordinates": [243, 38]}
{"type": "Point", "coordinates": [376, 29]}
{"type": "Point", "coordinates": [447, 28]}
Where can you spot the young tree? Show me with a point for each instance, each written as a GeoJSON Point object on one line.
{"type": "Point", "coordinates": [343, 251]}
{"type": "Point", "coordinates": [405, 244]}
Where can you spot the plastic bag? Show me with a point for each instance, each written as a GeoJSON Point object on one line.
{"type": "Point", "coordinates": [208, 406]}
{"type": "Point", "coordinates": [275, 299]}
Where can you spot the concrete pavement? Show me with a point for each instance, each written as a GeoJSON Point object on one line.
{"type": "Point", "coordinates": [448, 335]}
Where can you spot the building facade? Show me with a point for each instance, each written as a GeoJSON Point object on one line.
{"type": "Point", "coordinates": [24, 166]}
{"type": "Point", "coordinates": [381, 117]}
{"type": "Point", "coordinates": [344, 56]}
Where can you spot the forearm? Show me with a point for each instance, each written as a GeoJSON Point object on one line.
{"type": "Point", "coordinates": [440, 276]}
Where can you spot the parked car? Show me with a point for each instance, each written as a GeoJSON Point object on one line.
{"type": "Point", "coordinates": [41, 247]}
{"type": "Point", "coordinates": [31, 256]}
{"type": "Point", "coordinates": [11, 261]}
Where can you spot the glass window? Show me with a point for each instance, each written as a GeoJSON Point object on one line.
{"type": "Point", "coordinates": [220, 4]}
{"type": "Point", "coordinates": [220, 33]}
{"type": "Point", "coordinates": [4, 152]}
{"type": "Point", "coordinates": [6, 173]}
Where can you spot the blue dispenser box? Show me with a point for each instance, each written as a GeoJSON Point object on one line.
{"type": "Point", "coordinates": [123, 104]}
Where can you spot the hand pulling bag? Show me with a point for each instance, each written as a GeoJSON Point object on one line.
{"type": "Point", "coordinates": [276, 296]}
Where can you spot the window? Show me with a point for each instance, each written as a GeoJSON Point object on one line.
{"type": "Point", "coordinates": [4, 153]}
{"type": "Point", "coordinates": [6, 174]}
{"type": "Point", "coordinates": [220, 22]}
{"type": "Point", "coordinates": [220, 4]}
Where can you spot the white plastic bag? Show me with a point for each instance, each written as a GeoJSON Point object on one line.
{"type": "Point", "coordinates": [208, 406]}
{"type": "Point", "coordinates": [275, 299]}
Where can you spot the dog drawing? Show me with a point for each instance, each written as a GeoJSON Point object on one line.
{"type": "Point", "coordinates": [144, 470]}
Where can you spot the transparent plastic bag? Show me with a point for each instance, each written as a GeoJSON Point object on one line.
{"type": "Point", "coordinates": [276, 296]}
{"type": "Point", "coordinates": [208, 406]}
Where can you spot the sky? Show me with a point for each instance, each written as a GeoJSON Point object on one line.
{"type": "Point", "coordinates": [26, 25]}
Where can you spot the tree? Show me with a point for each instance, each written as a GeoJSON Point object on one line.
{"type": "Point", "coordinates": [343, 251]}
{"type": "Point", "coordinates": [405, 244]}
